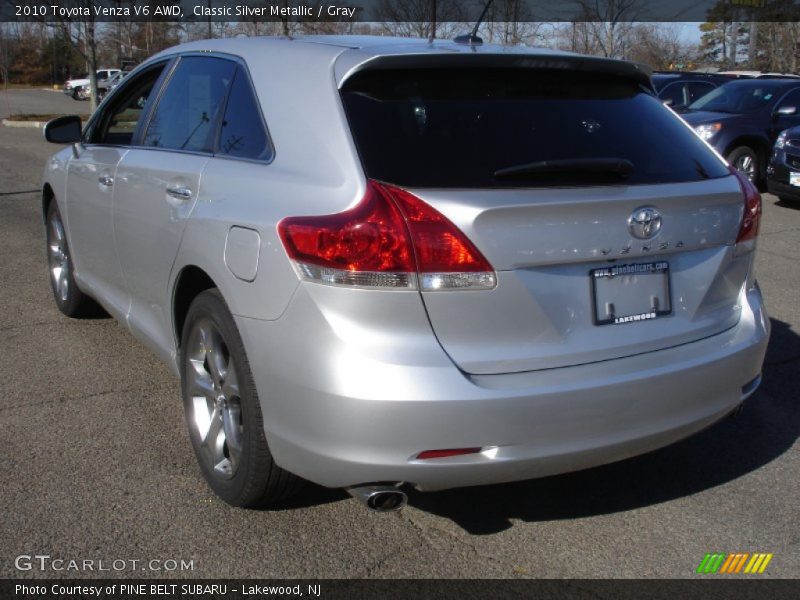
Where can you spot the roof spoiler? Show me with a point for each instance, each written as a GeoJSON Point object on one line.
{"type": "Point", "coordinates": [637, 72]}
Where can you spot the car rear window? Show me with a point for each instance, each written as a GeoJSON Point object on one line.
{"type": "Point", "coordinates": [459, 127]}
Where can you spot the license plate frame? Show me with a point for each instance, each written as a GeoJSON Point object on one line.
{"type": "Point", "coordinates": [658, 284]}
{"type": "Point", "coordinates": [794, 178]}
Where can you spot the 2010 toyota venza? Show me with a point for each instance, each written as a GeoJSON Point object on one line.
{"type": "Point", "coordinates": [376, 261]}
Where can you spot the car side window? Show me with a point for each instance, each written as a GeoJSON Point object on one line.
{"type": "Point", "coordinates": [697, 89]}
{"type": "Point", "coordinates": [119, 120]}
{"type": "Point", "coordinates": [791, 99]}
{"type": "Point", "coordinates": [242, 133]}
{"type": "Point", "coordinates": [188, 111]}
{"type": "Point", "coordinates": [673, 93]}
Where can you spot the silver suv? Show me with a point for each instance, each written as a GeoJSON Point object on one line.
{"type": "Point", "coordinates": [376, 261]}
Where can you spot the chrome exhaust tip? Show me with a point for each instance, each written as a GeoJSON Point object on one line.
{"type": "Point", "coordinates": [380, 498]}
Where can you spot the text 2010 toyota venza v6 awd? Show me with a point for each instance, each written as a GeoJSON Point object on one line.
{"type": "Point", "coordinates": [376, 261]}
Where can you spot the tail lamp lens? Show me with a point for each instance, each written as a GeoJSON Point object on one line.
{"type": "Point", "coordinates": [748, 230]}
{"type": "Point", "coordinates": [390, 239]}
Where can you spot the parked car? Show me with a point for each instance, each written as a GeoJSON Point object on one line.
{"type": "Point", "coordinates": [110, 83]}
{"type": "Point", "coordinates": [79, 88]}
{"type": "Point", "coordinates": [376, 261]}
{"type": "Point", "coordinates": [742, 119]}
{"type": "Point", "coordinates": [759, 74]}
{"type": "Point", "coordinates": [783, 171]}
{"type": "Point", "coordinates": [679, 89]}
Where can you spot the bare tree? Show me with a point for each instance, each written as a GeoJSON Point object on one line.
{"type": "Point", "coordinates": [420, 18]}
{"type": "Point", "coordinates": [608, 23]}
{"type": "Point", "coordinates": [510, 22]}
{"type": "Point", "coordinates": [659, 45]}
{"type": "Point", "coordinates": [779, 46]}
{"type": "Point", "coordinates": [81, 34]}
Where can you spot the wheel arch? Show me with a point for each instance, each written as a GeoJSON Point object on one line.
{"type": "Point", "coordinates": [47, 197]}
{"type": "Point", "coordinates": [759, 144]}
{"type": "Point", "coordinates": [191, 281]}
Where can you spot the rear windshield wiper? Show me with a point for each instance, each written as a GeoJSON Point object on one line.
{"type": "Point", "coordinates": [579, 166]}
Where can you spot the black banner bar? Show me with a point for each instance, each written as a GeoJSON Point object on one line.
{"type": "Point", "coordinates": [704, 586]}
{"type": "Point", "coordinates": [399, 11]}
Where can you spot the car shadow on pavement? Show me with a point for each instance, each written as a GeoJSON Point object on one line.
{"type": "Point", "coordinates": [310, 496]}
{"type": "Point", "coordinates": [767, 427]}
{"type": "Point", "coordinates": [788, 204]}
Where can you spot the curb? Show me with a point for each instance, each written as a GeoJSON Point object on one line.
{"type": "Point", "coordinates": [25, 124]}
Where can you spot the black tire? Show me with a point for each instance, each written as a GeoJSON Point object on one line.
{"type": "Point", "coordinates": [746, 160]}
{"type": "Point", "coordinates": [61, 270]}
{"type": "Point", "coordinates": [251, 478]}
{"type": "Point", "coordinates": [76, 93]}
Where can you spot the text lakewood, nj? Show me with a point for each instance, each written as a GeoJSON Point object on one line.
{"type": "Point", "coordinates": [268, 11]}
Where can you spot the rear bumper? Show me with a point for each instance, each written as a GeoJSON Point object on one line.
{"type": "Point", "coordinates": [338, 415]}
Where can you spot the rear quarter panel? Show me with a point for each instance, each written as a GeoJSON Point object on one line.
{"type": "Point", "coordinates": [315, 170]}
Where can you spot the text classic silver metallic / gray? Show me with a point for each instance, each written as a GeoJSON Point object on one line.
{"type": "Point", "coordinates": [378, 261]}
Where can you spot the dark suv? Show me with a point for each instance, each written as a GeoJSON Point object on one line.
{"type": "Point", "coordinates": [743, 118]}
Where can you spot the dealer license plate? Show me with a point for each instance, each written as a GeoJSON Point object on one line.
{"type": "Point", "coordinates": [630, 293]}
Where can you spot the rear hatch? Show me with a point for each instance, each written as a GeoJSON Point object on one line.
{"type": "Point", "coordinates": [610, 225]}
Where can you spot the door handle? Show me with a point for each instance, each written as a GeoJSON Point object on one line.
{"type": "Point", "coordinates": [180, 192]}
{"type": "Point", "coordinates": [106, 180]}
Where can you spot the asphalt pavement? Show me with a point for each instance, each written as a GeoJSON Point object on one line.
{"type": "Point", "coordinates": [39, 101]}
{"type": "Point", "coordinates": [96, 464]}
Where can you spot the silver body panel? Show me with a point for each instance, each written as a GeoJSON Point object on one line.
{"type": "Point", "coordinates": [355, 383]}
{"type": "Point", "coordinates": [374, 400]}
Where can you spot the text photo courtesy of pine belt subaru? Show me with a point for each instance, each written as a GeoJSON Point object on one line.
{"type": "Point", "coordinates": [379, 263]}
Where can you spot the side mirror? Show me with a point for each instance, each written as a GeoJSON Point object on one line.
{"type": "Point", "coordinates": [786, 111]}
{"type": "Point", "coordinates": [63, 130]}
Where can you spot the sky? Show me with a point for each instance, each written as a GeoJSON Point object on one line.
{"type": "Point", "coordinates": [689, 32]}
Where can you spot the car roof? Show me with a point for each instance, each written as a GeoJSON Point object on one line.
{"type": "Point", "coordinates": [376, 44]}
{"type": "Point", "coordinates": [661, 79]}
{"type": "Point", "coordinates": [678, 74]}
{"type": "Point", "coordinates": [353, 53]}
{"type": "Point", "coordinates": [785, 82]}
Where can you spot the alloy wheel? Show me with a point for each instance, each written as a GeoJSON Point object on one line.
{"type": "Point", "coordinates": [747, 165]}
{"type": "Point", "coordinates": [214, 401]}
{"type": "Point", "coordinates": [58, 257]}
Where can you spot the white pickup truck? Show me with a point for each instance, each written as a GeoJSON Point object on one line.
{"type": "Point", "coordinates": [79, 88]}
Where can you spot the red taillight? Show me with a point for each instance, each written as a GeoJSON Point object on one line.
{"type": "Point", "coordinates": [385, 240]}
{"type": "Point", "coordinates": [371, 236]}
{"type": "Point", "coordinates": [445, 453]}
{"type": "Point", "coordinates": [440, 246]}
{"type": "Point", "coordinates": [748, 230]}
